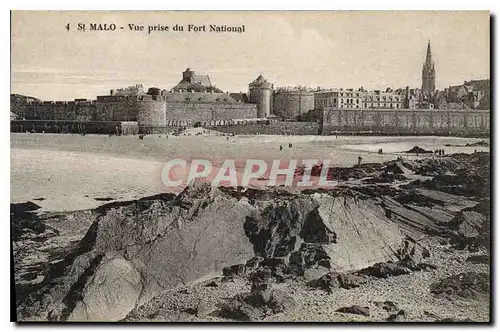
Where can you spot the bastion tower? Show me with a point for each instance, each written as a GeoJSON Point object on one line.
{"type": "Point", "coordinates": [260, 94]}
{"type": "Point", "coordinates": [428, 74]}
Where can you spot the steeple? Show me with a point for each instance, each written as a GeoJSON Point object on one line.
{"type": "Point", "coordinates": [428, 73]}
{"type": "Point", "coordinates": [428, 58]}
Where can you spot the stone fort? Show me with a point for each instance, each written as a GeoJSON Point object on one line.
{"type": "Point", "coordinates": [194, 101]}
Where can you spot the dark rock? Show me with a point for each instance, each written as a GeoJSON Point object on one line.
{"type": "Point", "coordinates": [472, 227]}
{"type": "Point", "coordinates": [234, 270]}
{"type": "Point", "coordinates": [257, 298]}
{"type": "Point", "coordinates": [212, 283]}
{"type": "Point", "coordinates": [480, 143]}
{"type": "Point", "coordinates": [256, 305]}
{"type": "Point", "coordinates": [23, 207]}
{"type": "Point", "coordinates": [389, 306]}
{"type": "Point", "coordinates": [253, 263]}
{"type": "Point", "coordinates": [240, 311]}
{"type": "Point", "coordinates": [314, 229]}
{"type": "Point", "coordinates": [277, 267]}
{"type": "Point", "coordinates": [104, 199]}
{"type": "Point", "coordinates": [355, 310]}
{"type": "Point", "coordinates": [385, 270]}
{"type": "Point", "coordinates": [309, 255]}
{"type": "Point", "coordinates": [397, 317]}
{"type": "Point", "coordinates": [328, 282]}
{"type": "Point", "coordinates": [277, 230]}
{"type": "Point", "coordinates": [463, 285]}
{"type": "Point", "coordinates": [479, 259]}
{"type": "Point", "coordinates": [417, 149]}
{"type": "Point", "coordinates": [349, 281]}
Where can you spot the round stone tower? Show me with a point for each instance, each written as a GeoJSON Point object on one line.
{"type": "Point", "coordinates": [260, 94]}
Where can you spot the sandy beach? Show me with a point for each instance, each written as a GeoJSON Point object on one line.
{"type": "Point", "coordinates": [69, 172]}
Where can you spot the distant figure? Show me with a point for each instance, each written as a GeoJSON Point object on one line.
{"type": "Point", "coordinates": [475, 151]}
{"type": "Point", "coordinates": [227, 138]}
{"type": "Point", "coordinates": [359, 161]}
{"type": "Point", "coordinates": [141, 136]}
{"type": "Point", "coordinates": [289, 145]}
{"type": "Point", "coordinates": [380, 151]}
{"type": "Point", "coordinates": [443, 151]}
{"type": "Point", "coordinates": [281, 147]}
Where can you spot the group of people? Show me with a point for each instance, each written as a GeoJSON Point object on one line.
{"type": "Point", "coordinates": [439, 152]}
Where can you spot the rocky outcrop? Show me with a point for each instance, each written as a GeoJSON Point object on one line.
{"type": "Point", "coordinates": [463, 285]}
{"type": "Point", "coordinates": [143, 246]}
{"type": "Point", "coordinates": [163, 241]}
{"type": "Point", "coordinates": [256, 305]}
{"type": "Point", "coordinates": [471, 227]}
{"type": "Point", "coordinates": [338, 238]}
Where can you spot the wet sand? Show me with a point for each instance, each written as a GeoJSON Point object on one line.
{"type": "Point", "coordinates": [70, 171]}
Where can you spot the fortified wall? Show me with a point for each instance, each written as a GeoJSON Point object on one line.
{"type": "Point", "coordinates": [75, 127]}
{"type": "Point", "coordinates": [147, 110]}
{"type": "Point", "coordinates": [289, 104]}
{"type": "Point", "coordinates": [58, 110]}
{"type": "Point", "coordinates": [407, 121]}
{"type": "Point", "coordinates": [198, 111]}
{"type": "Point", "coordinates": [271, 128]}
{"type": "Point", "coordinates": [194, 100]}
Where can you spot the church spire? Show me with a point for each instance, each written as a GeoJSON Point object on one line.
{"type": "Point", "coordinates": [428, 58]}
{"type": "Point", "coordinates": [428, 73]}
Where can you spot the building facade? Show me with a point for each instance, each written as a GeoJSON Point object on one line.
{"type": "Point", "coordinates": [338, 98]}
{"type": "Point", "coordinates": [357, 99]}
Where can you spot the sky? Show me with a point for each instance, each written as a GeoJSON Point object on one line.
{"type": "Point", "coordinates": [328, 49]}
